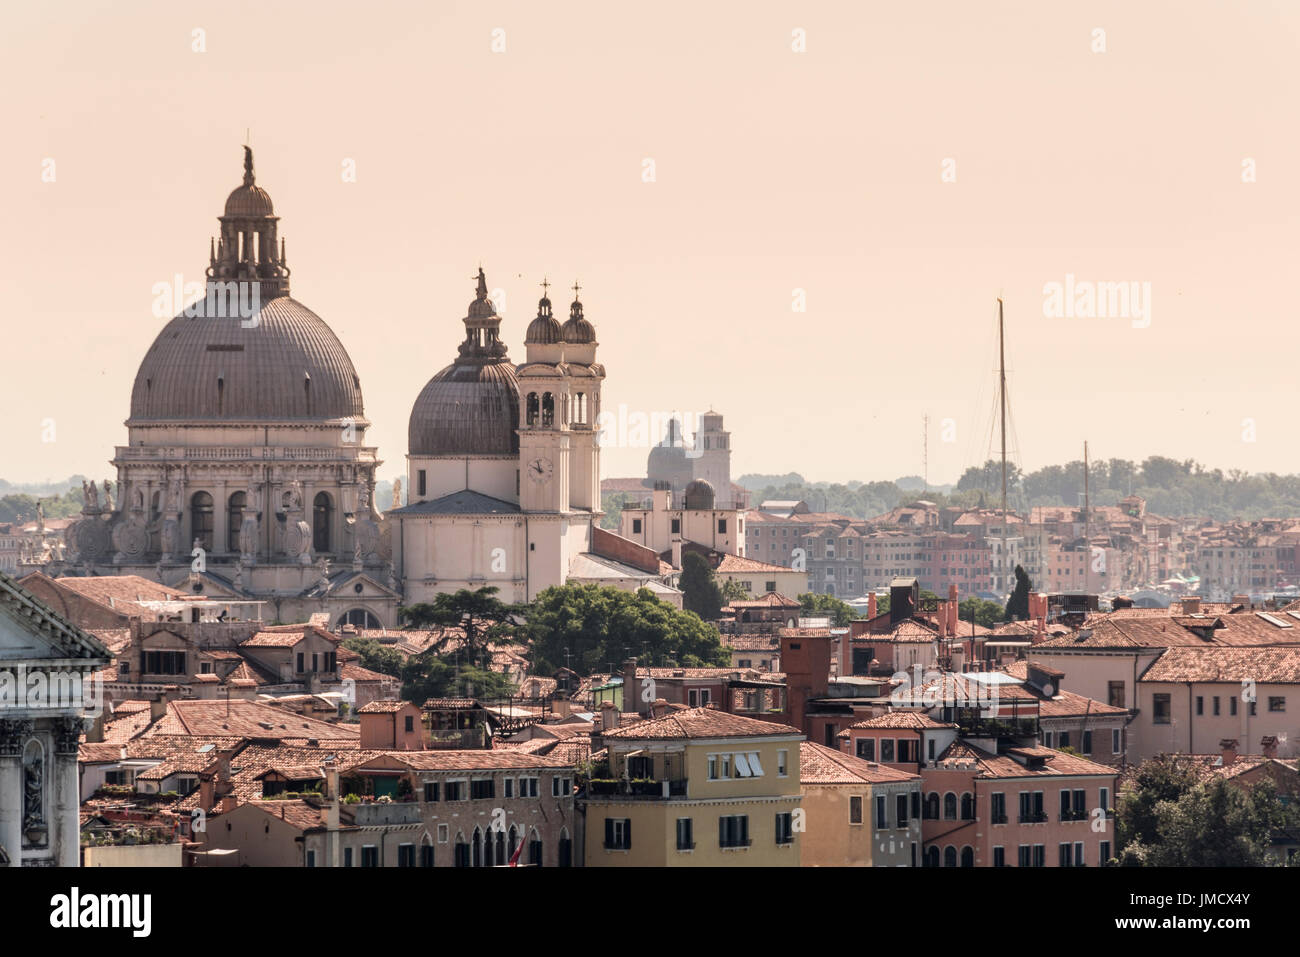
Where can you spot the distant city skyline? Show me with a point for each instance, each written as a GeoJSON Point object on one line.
{"type": "Point", "coordinates": [1068, 166]}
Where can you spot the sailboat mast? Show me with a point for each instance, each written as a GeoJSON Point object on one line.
{"type": "Point", "coordinates": [1002, 399]}
{"type": "Point", "coordinates": [1087, 525]}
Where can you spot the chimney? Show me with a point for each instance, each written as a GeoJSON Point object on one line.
{"type": "Point", "coordinates": [631, 693]}
{"type": "Point", "coordinates": [1191, 606]}
{"type": "Point", "coordinates": [1268, 744]}
{"type": "Point", "coordinates": [1241, 600]}
{"type": "Point", "coordinates": [677, 553]}
{"type": "Point", "coordinates": [871, 604]}
{"type": "Point", "coordinates": [953, 608]}
{"type": "Point", "coordinates": [331, 809]}
{"type": "Point", "coordinates": [659, 708]}
{"type": "Point", "coordinates": [1229, 748]}
{"type": "Point", "coordinates": [158, 706]}
{"type": "Point", "coordinates": [609, 714]}
{"type": "Point", "coordinates": [563, 707]}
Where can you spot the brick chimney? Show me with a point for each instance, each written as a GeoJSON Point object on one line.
{"type": "Point", "coordinates": [1268, 745]}
{"type": "Point", "coordinates": [1191, 606]}
{"type": "Point", "coordinates": [158, 706]}
{"type": "Point", "coordinates": [953, 616]}
{"type": "Point", "coordinates": [659, 708]}
{"type": "Point", "coordinates": [1229, 748]}
{"type": "Point", "coordinates": [609, 714]}
{"type": "Point", "coordinates": [871, 604]}
{"type": "Point", "coordinates": [631, 692]}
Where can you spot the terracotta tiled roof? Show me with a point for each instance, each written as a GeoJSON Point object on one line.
{"type": "Point", "coordinates": [274, 639]}
{"type": "Point", "coordinates": [467, 760]}
{"type": "Point", "coordinates": [298, 814]}
{"type": "Point", "coordinates": [700, 723]}
{"type": "Point", "coordinates": [822, 765]}
{"type": "Point", "coordinates": [909, 720]}
{"type": "Point", "coordinates": [989, 765]}
{"type": "Point", "coordinates": [1278, 665]}
{"type": "Point", "coordinates": [732, 564]}
{"type": "Point", "coordinates": [770, 600]}
{"type": "Point", "coordinates": [357, 673]}
{"type": "Point", "coordinates": [245, 719]}
{"type": "Point", "coordinates": [385, 706]}
{"type": "Point", "coordinates": [752, 642]}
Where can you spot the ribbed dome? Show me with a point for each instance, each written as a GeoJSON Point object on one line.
{"type": "Point", "coordinates": [545, 329]}
{"type": "Point", "coordinates": [249, 201]}
{"type": "Point", "coordinates": [577, 328]}
{"type": "Point", "coordinates": [699, 494]}
{"type": "Point", "coordinates": [469, 408]}
{"type": "Point", "coordinates": [289, 367]}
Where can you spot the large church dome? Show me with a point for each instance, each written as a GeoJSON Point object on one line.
{"type": "Point", "coordinates": [282, 365]}
{"type": "Point", "coordinates": [289, 366]}
{"type": "Point", "coordinates": [467, 410]}
{"type": "Point", "coordinates": [471, 407]}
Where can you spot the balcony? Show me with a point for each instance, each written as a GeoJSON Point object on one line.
{"type": "Point", "coordinates": [643, 789]}
{"type": "Point", "coordinates": [1074, 815]}
{"type": "Point", "coordinates": [998, 819]}
{"type": "Point", "coordinates": [1034, 817]}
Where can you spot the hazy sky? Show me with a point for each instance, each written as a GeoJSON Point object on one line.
{"type": "Point", "coordinates": [774, 171]}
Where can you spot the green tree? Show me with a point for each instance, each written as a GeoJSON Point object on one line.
{"type": "Point", "coordinates": [827, 606]}
{"type": "Point", "coordinates": [1173, 818]}
{"type": "Point", "coordinates": [700, 591]}
{"type": "Point", "coordinates": [1018, 604]}
{"type": "Point", "coordinates": [377, 657]}
{"type": "Point", "coordinates": [485, 620]}
{"type": "Point", "coordinates": [987, 614]}
{"type": "Point", "coordinates": [426, 676]}
{"type": "Point", "coordinates": [733, 590]}
{"type": "Point", "coordinates": [589, 628]}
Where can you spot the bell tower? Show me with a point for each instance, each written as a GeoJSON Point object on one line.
{"type": "Point", "coordinates": [544, 415]}
{"type": "Point", "coordinates": [585, 377]}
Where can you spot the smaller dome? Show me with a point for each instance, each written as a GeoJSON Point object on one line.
{"type": "Point", "coordinates": [545, 329]}
{"type": "Point", "coordinates": [249, 200]}
{"type": "Point", "coordinates": [699, 494]}
{"type": "Point", "coordinates": [578, 329]}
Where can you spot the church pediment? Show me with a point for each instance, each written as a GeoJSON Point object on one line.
{"type": "Point", "coordinates": [30, 630]}
{"type": "Point", "coordinates": [356, 586]}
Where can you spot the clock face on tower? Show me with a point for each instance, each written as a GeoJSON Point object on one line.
{"type": "Point", "coordinates": [539, 470]}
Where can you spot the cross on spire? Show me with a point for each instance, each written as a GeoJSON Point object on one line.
{"type": "Point", "coordinates": [576, 288]}
{"type": "Point", "coordinates": [545, 286]}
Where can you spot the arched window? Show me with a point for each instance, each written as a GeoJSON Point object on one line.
{"type": "Point", "coordinates": [426, 851]}
{"type": "Point", "coordinates": [548, 410]}
{"type": "Point", "coordinates": [950, 856]}
{"type": "Point", "coordinates": [477, 848]}
{"type": "Point", "coordinates": [234, 518]}
{"type": "Point", "coordinates": [201, 518]}
{"type": "Point", "coordinates": [566, 848]}
{"type": "Point", "coordinates": [968, 807]}
{"type": "Point", "coordinates": [532, 409]}
{"type": "Point", "coordinates": [931, 857]}
{"type": "Point", "coordinates": [950, 807]}
{"type": "Point", "coordinates": [501, 848]}
{"type": "Point", "coordinates": [322, 513]}
{"type": "Point", "coordinates": [967, 856]}
{"type": "Point", "coordinates": [462, 852]}
{"type": "Point", "coordinates": [932, 806]}
{"type": "Point", "coordinates": [534, 848]}
{"type": "Point", "coordinates": [359, 617]}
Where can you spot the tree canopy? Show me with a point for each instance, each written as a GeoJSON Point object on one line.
{"type": "Point", "coordinates": [827, 606]}
{"type": "Point", "coordinates": [1174, 818]}
{"type": "Point", "coordinates": [700, 591]}
{"type": "Point", "coordinates": [484, 618]}
{"type": "Point", "coordinates": [1018, 603]}
{"type": "Point", "coordinates": [589, 629]}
